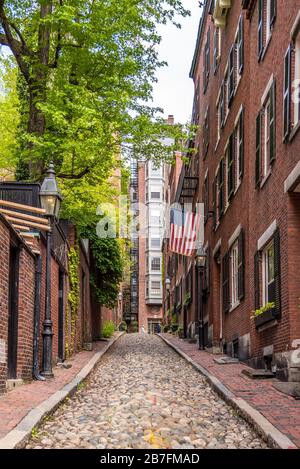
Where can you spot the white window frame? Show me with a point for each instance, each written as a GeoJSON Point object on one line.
{"type": "Point", "coordinates": [268, 20]}
{"type": "Point", "coordinates": [155, 258]}
{"type": "Point", "coordinates": [234, 274]}
{"type": "Point", "coordinates": [266, 135]}
{"type": "Point", "coordinates": [296, 81]}
{"type": "Point", "coordinates": [265, 271]}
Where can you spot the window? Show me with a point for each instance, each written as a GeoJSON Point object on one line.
{"type": "Point", "coordinates": [265, 136]}
{"type": "Point", "coordinates": [154, 217]}
{"type": "Point", "coordinates": [206, 67]}
{"type": "Point", "coordinates": [239, 148]}
{"type": "Point", "coordinates": [268, 261]}
{"type": "Point", "coordinates": [217, 48]}
{"type": "Point", "coordinates": [155, 243]}
{"type": "Point", "coordinates": [267, 10]}
{"type": "Point", "coordinates": [155, 171]}
{"type": "Point", "coordinates": [291, 89]}
{"type": "Point", "coordinates": [230, 168]}
{"type": "Point", "coordinates": [155, 264]}
{"type": "Point", "coordinates": [220, 189]}
{"type": "Point", "coordinates": [219, 121]}
{"type": "Point", "coordinates": [206, 198]}
{"type": "Point", "coordinates": [267, 274]}
{"type": "Point", "coordinates": [234, 262]}
{"type": "Point", "coordinates": [206, 133]}
{"type": "Point", "coordinates": [233, 274]}
{"type": "Point", "coordinates": [156, 286]}
{"type": "Point", "coordinates": [155, 195]}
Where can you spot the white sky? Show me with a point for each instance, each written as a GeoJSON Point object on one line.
{"type": "Point", "coordinates": [174, 90]}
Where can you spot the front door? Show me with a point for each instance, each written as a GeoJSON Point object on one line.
{"type": "Point", "coordinates": [61, 349]}
{"type": "Point", "coordinates": [13, 312]}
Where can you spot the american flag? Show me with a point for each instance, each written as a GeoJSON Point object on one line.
{"type": "Point", "coordinates": [184, 231]}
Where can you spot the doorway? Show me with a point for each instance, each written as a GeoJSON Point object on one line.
{"type": "Point", "coordinates": [13, 292]}
{"type": "Point", "coordinates": [61, 348]}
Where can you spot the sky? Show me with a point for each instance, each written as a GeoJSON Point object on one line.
{"type": "Point", "coordinates": [174, 90]}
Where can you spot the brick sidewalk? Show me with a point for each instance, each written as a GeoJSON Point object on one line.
{"type": "Point", "coordinates": [16, 404]}
{"type": "Point", "coordinates": [281, 410]}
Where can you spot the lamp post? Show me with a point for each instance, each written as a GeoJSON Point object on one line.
{"type": "Point", "coordinates": [200, 266]}
{"type": "Point", "coordinates": [168, 286]}
{"type": "Point", "coordinates": [119, 314]}
{"type": "Point", "coordinates": [50, 201]}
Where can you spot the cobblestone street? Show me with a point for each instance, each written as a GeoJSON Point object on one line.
{"type": "Point", "coordinates": [143, 395]}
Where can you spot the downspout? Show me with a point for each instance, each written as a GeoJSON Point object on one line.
{"type": "Point", "coordinates": [36, 326]}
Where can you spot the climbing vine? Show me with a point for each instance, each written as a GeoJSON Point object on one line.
{"type": "Point", "coordinates": [73, 299]}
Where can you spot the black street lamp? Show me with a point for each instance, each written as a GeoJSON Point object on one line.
{"type": "Point", "coordinates": [200, 266]}
{"type": "Point", "coordinates": [50, 201]}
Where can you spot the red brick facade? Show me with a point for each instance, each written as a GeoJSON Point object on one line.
{"type": "Point", "coordinates": [247, 178]}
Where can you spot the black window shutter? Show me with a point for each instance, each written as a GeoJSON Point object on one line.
{"type": "Point", "coordinates": [216, 41]}
{"type": "Point", "coordinates": [273, 11]}
{"type": "Point", "coordinates": [287, 93]}
{"type": "Point", "coordinates": [222, 104]}
{"type": "Point", "coordinates": [214, 189]}
{"type": "Point", "coordinates": [231, 75]}
{"type": "Point", "coordinates": [273, 123]}
{"type": "Point", "coordinates": [258, 150]}
{"type": "Point", "coordinates": [257, 280]}
{"type": "Point", "coordinates": [277, 272]}
{"type": "Point", "coordinates": [225, 278]}
{"type": "Point", "coordinates": [241, 45]}
{"type": "Point", "coordinates": [260, 28]}
{"type": "Point", "coordinates": [208, 53]}
{"type": "Point", "coordinates": [241, 144]}
{"type": "Point", "coordinates": [241, 265]}
{"type": "Point", "coordinates": [230, 168]}
{"type": "Point", "coordinates": [221, 188]}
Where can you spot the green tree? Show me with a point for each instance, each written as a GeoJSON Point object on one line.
{"type": "Point", "coordinates": [88, 69]}
{"type": "Point", "coordinates": [9, 117]}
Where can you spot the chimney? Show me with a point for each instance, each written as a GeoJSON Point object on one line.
{"type": "Point", "coordinates": [170, 119]}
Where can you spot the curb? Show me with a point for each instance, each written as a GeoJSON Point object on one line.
{"type": "Point", "coordinates": [266, 429]}
{"type": "Point", "coordinates": [18, 437]}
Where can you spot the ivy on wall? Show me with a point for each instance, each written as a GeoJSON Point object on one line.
{"type": "Point", "coordinates": [73, 300]}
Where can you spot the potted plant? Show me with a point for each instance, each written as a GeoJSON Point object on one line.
{"type": "Point", "coordinates": [180, 332]}
{"type": "Point", "coordinates": [265, 314]}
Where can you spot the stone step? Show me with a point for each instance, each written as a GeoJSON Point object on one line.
{"type": "Point", "coordinates": [258, 374]}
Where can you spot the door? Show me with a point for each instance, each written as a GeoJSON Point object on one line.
{"type": "Point", "coordinates": [13, 293]}
{"type": "Point", "coordinates": [61, 349]}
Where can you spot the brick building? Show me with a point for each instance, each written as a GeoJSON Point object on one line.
{"type": "Point", "coordinates": [23, 287]}
{"type": "Point", "coordinates": [247, 163]}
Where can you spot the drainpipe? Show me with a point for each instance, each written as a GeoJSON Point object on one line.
{"type": "Point", "coordinates": [37, 305]}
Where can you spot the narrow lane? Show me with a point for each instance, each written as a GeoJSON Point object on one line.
{"type": "Point", "coordinates": [143, 395]}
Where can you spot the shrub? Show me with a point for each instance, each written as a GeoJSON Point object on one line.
{"type": "Point", "coordinates": [123, 326]}
{"type": "Point", "coordinates": [135, 326]}
{"type": "Point", "coordinates": [108, 329]}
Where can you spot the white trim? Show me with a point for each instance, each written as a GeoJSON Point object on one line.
{"type": "Point", "coordinates": [292, 178]}
{"type": "Point", "coordinates": [295, 27]}
{"type": "Point", "coordinates": [234, 235]}
{"type": "Point", "coordinates": [217, 247]}
{"type": "Point", "coordinates": [238, 116]}
{"type": "Point", "coordinates": [266, 236]}
{"type": "Point", "coordinates": [267, 89]}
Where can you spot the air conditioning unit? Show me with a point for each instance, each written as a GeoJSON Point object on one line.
{"type": "Point", "coordinates": [220, 12]}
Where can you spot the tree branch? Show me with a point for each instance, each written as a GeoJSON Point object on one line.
{"type": "Point", "coordinates": [14, 45]}
{"type": "Point", "coordinates": [25, 48]}
{"type": "Point", "coordinates": [75, 176]}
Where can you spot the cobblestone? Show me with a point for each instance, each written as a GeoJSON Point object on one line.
{"type": "Point", "coordinates": [143, 395]}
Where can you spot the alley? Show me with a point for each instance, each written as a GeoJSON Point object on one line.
{"type": "Point", "coordinates": [143, 395]}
